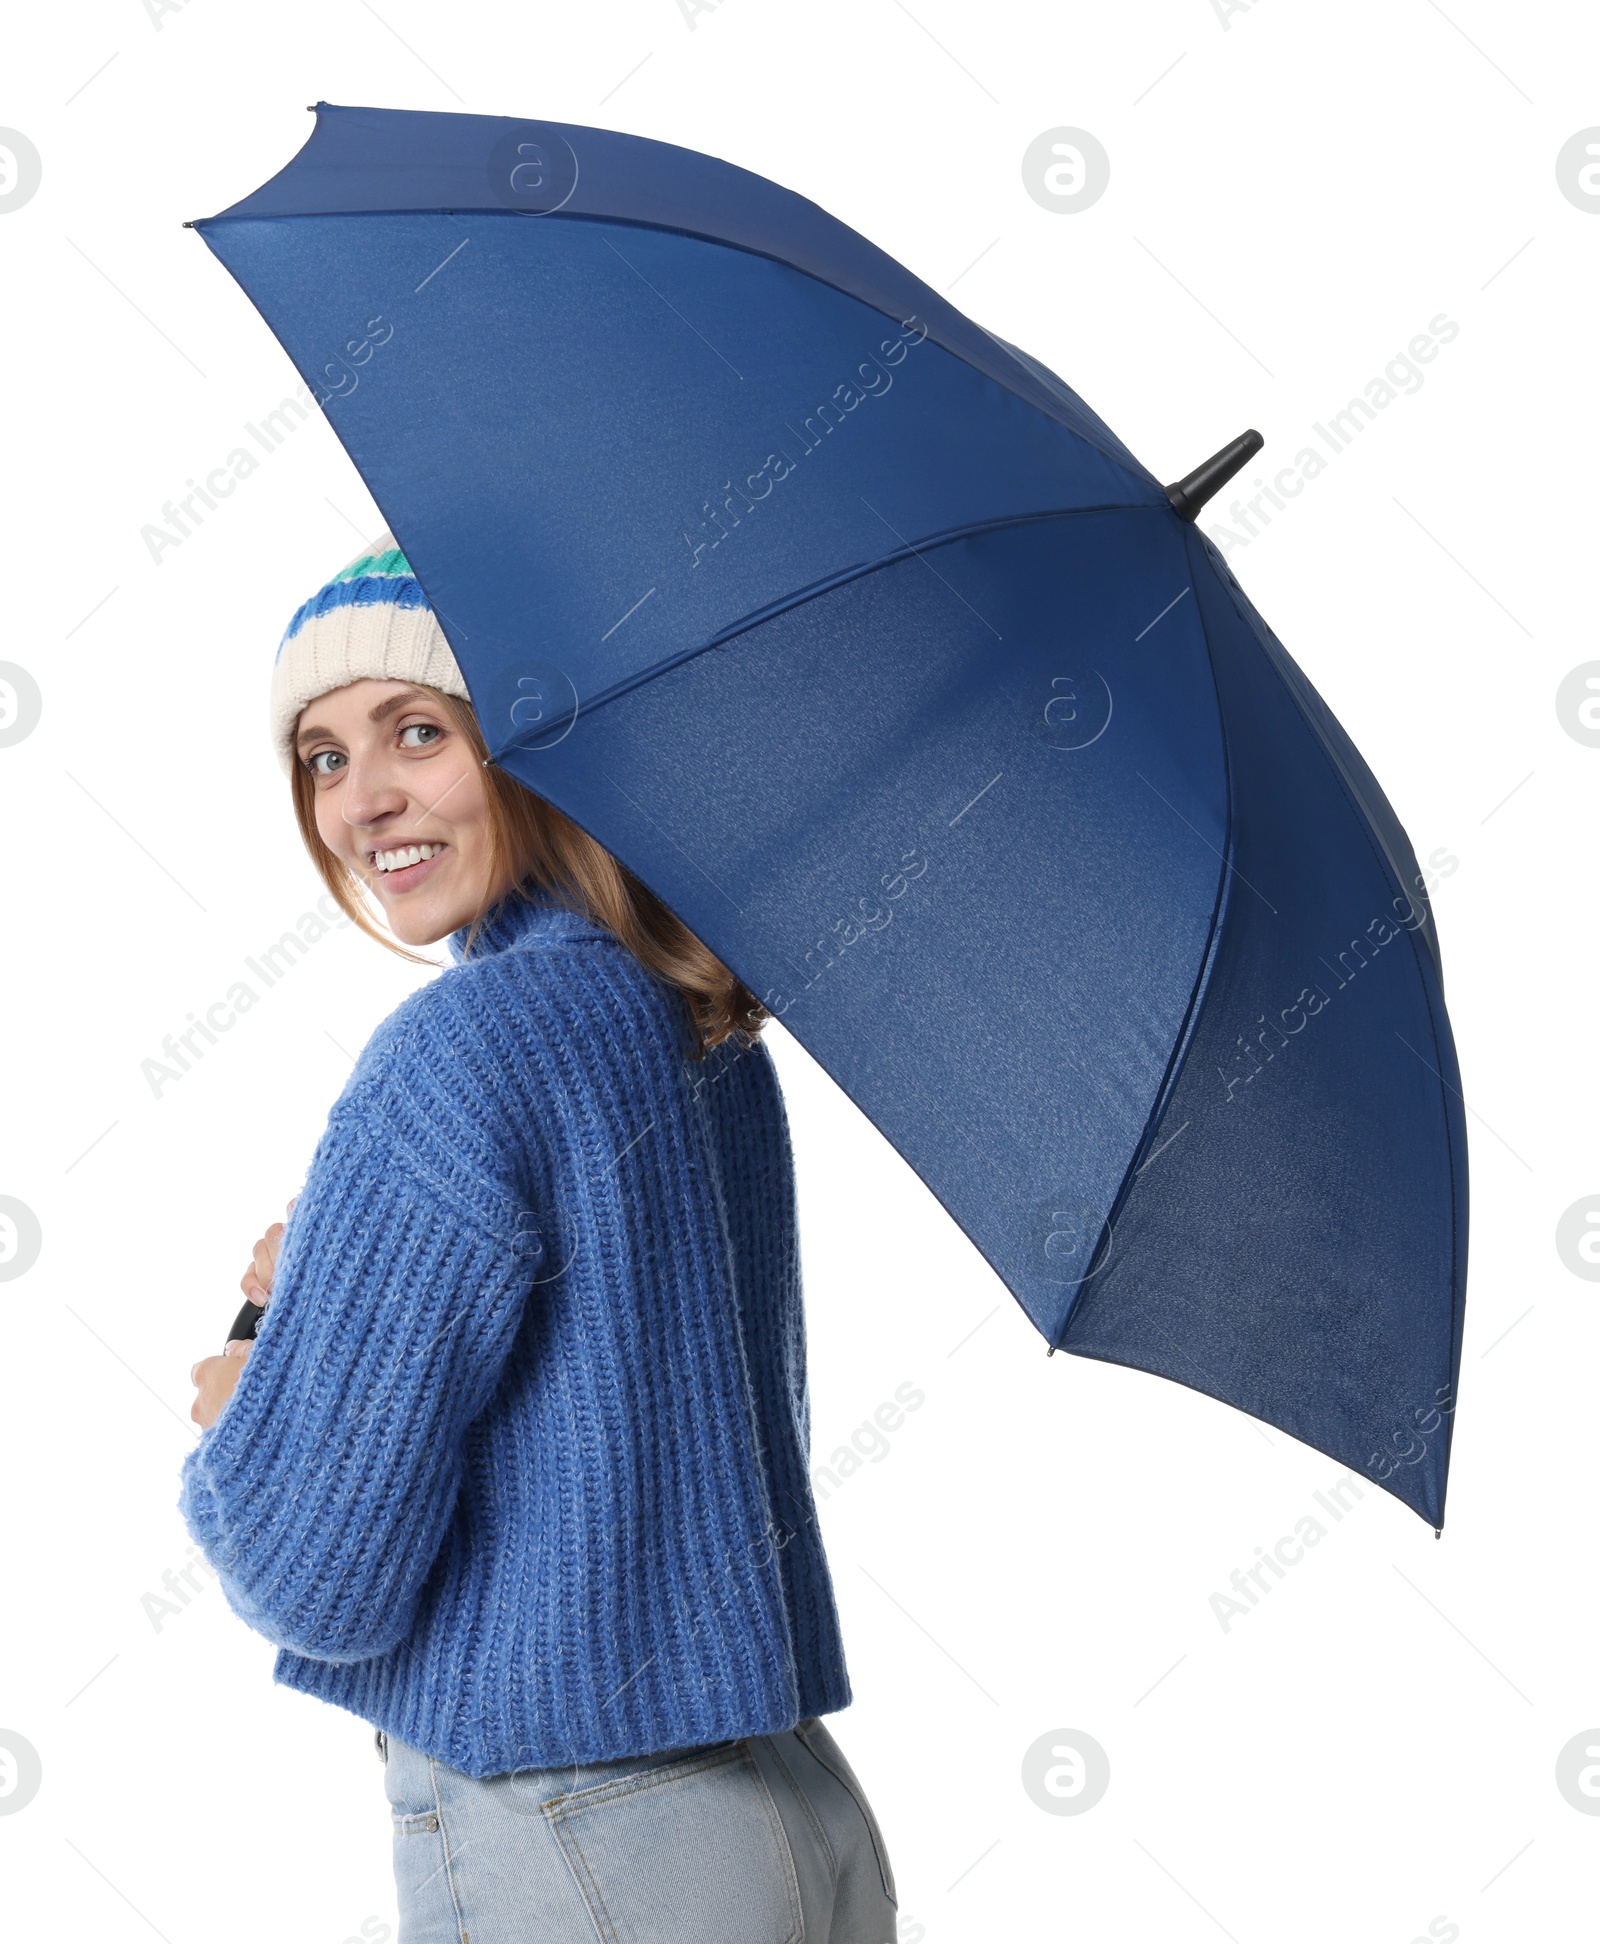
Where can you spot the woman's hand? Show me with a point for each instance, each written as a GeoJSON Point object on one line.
{"type": "Point", "coordinates": [214, 1379]}
{"type": "Point", "coordinates": [256, 1282]}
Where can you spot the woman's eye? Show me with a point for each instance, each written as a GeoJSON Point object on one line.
{"type": "Point", "coordinates": [428, 732]}
{"type": "Point", "coordinates": [324, 762]}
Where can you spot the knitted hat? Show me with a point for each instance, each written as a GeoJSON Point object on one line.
{"type": "Point", "coordinates": [370, 621]}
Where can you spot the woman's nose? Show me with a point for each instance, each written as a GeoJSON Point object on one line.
{"type": "Point", "coordinates": [368, 796]}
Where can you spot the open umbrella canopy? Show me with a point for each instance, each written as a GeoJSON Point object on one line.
{"type": "Point", "coordinates": [855, 634]}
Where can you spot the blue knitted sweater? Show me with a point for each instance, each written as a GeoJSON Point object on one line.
{"type": "Point", "coordinates": [517, 1469]}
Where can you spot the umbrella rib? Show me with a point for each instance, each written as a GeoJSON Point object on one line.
{"type": "Point", "coordinates": [1158, 1151]}
{"type": "Point", "coordinates": [1443, 1082]}
{"type": "Point", "coordinates": [930, 567]}
{"type": "Point", "coordinates": [1207, 842]}
{"type": "Point", "coordinates": [771, 611]}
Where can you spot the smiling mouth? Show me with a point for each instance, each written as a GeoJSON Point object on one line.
{"type": "Point", "coordinates": [402, 857]}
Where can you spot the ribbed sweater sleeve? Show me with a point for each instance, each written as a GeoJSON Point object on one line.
{"type": "Point", "coordinates": [324, 1488]}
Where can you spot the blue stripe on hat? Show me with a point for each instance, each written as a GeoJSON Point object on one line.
{"type": "Point", "coordinates": [368, 590]}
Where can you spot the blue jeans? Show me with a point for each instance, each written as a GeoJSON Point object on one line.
{"type": "Point", "coordinates": [765, 1840]}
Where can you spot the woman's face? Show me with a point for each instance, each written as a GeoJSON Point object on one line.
{"type": "Point", "coordinates": [400, 798]}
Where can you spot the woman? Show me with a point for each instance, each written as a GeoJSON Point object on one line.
{"type": "Point", "coordinates": [515, 1467]}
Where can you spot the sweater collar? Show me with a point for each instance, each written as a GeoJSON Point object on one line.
{"type": "Point", "coordinates": [515, 919]}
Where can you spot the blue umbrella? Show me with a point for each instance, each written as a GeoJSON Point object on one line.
{"type": "Point", "coordinates": [855, 634]}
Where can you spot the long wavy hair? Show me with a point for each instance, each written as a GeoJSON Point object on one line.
{"type": "Point", "coordinates": [565, 863]}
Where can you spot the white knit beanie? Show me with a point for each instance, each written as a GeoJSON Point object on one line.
{"type": "Point", "coordinates": [371, 621]}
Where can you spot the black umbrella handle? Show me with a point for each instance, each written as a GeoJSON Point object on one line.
{"type": "Point", "coordinates": [245, 1323]}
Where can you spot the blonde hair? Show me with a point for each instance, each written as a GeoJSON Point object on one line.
{"type": "Point", "coordinates": [570, 866]}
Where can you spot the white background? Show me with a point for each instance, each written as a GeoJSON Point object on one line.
{"type": "Point", "coordinates": [1295, 193]}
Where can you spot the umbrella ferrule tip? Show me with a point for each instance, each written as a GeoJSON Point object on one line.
{"type": "Point", "coordinates": [1190, 493]}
